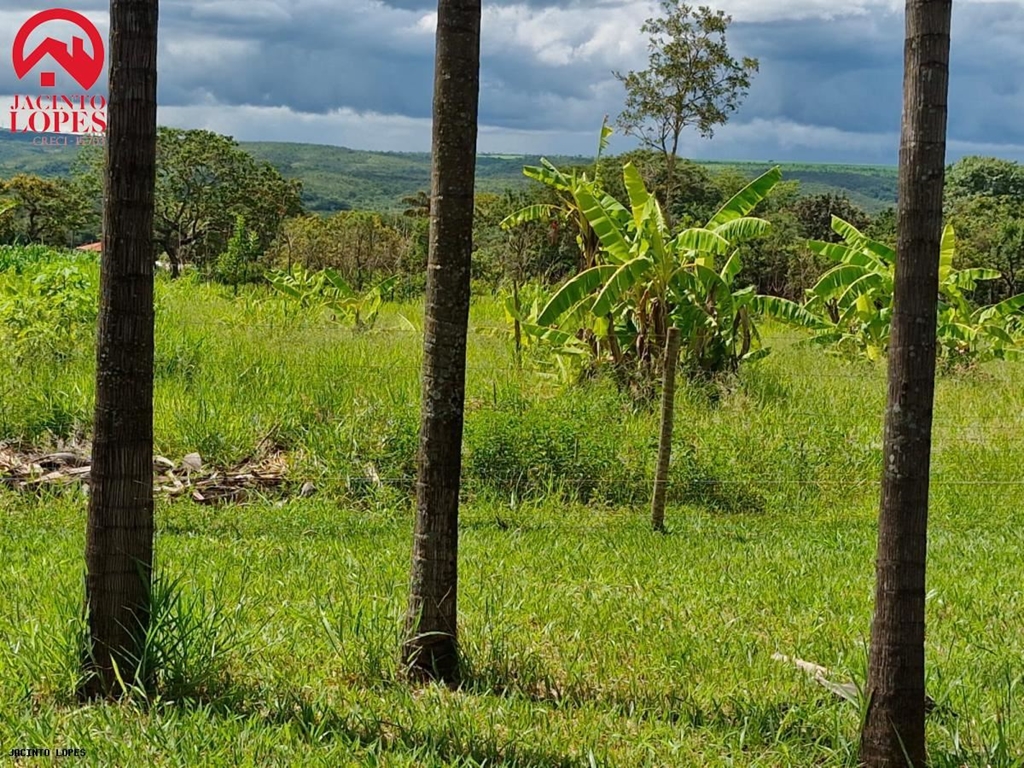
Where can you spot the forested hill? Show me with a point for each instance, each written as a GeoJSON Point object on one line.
{"type": "Point", "coordinates": [336, 178]}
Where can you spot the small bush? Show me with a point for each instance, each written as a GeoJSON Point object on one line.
{"type": "Point", "coordinates": [48, 308]}
{"type": "Point", "coordinates": [239, 264]}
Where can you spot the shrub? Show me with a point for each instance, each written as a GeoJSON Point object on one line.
{"type": "Point", "coordinates": [47, 308]}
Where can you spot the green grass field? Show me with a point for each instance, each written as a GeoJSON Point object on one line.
{"type": "Point", "coordinates": [589, 640]}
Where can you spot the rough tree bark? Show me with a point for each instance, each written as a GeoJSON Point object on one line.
{"type": "Point", "coordinates": [894, 729]}
{"type": "Point", "coordinates": [430, 650]}
{"type": "Point", "coordinates": [119, 536]}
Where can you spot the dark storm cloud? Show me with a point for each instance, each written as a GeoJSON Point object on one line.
{"type": "Point", "coordinates": [829, 83]}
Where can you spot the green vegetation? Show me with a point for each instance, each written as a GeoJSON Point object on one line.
{"type": "Point", "coordinates": [691, 82]}
{"type": "Point", "coordinates": [852, 303]}
{"type": "Point", "coordinates": [336, 178]}
{"type": "Point", "coordinates": [589, 639]}
{"type": "Point", "coordinates": [648, 279]}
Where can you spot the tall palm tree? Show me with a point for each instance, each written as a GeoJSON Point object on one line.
{"type": "Point", "coordinates": [119, 535]}
{"type": "Point", "coordinates": [894, 729]}
{"type": "Point", "coordinates": [430, 650]}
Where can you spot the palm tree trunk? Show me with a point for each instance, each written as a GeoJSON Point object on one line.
{"type": "Point", "coordinates": [430, 650]}
{"type": "Point", "coordinates": [119, 535]}
{"type": "Point", "coordinates": [894, 728]}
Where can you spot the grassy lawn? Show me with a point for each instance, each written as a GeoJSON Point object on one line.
{"type": "Point", "coordinates": [589, 640]}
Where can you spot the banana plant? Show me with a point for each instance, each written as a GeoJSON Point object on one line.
{"type": "Point", "coordinates": [850, 307]}
{"type": "Point", "coordinates": [566, 186]}
{"type": "Point", "coordinates": [556, 353]}
{"type": "Point", "coordinates": [647, 278]}
{"type": "Point", "coordinates": [967, 334]}
{"type": "Point", "coordinates": [327, 290]}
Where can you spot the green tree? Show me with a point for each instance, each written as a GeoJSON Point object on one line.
{"type": "Point", "coordinates": [989, 232]}
{"type": "Point", "coordinates": [359, 245]}
{"type": "Point", "coordinates": [204, 181]}
{"type": "Point", "coordinates": [984, 198]}
{"type": "Point", "coordinates": [814, 214]}
{"type": "Point", "coordinates": [691, 82]}
{"type": "Point", "coordinates": [417, 206]}
{"type": "Point", "coordinates": [238, 265]}
{"type": "Point", "coordinates": [48, 211]}
{"type": "Point", "coordinates": [883, 227]}
{"type": "Point", "coordinates": [984, 177]}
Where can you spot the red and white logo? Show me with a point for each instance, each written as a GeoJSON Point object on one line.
{"type": "Point", "coordinates": [59, 113]}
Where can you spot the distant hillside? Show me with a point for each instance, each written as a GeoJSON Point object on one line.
{"type": "Point", "coordinates": [336, 178]}
{"type": "Point", "coordinates": [872, 187]}
{"type": "Point", "coordinates": [19, 155]}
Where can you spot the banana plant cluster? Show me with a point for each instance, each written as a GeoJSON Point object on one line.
{"type": "Point", "coordinates": [565, 186]}
{"type": "Point", "coordinates": [326, 290]}
{"type": "Point", "coordinates": [850, 307]}
{"type": "Point", "coordinates": [647, 278]}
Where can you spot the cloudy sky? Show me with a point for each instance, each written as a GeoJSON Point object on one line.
{"type": "Point", "coordinates": [358, 73]}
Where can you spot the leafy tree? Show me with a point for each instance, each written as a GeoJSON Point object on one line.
{"type": "Point", "coordinates": [47, 211]}
{"type": "Point", "coordinates": [814, 214]}
{"type": "Point", "coordinates": [692, 81]}
{"type": "Point", "coordinates": [417, 206]}
{"type": "Point", "coordinates": [430, 649]}
{"type": "Point", "coordinates": [7, 208]}
{"type": "Point", "coordinates": [1007, 256]}
{"type": "Point", "coordinates": [204, 181]}
{"type": "Point", "coordinates": [984, 177]}
{"type": "Point", "coordinates": [417, 209]}
{"type": "Point", "coordinates": [119, 531]}
{"type": "Point", "coordinates": [894, 721]}
{"type": "Point", "coordinates": [986, 206]}
{"type": "Point", "coordinates": [512, 255]}
{"type": "Point", "coordinates": [361, 246]}
{"type": "Point", "coordinates": [883, 227]}
{"type": "Point", "coordinates": [775, 264]}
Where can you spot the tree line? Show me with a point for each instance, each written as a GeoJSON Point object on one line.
{"type": "Point", "coordinates": [206, 181]}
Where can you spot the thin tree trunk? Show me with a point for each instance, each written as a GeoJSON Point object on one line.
{"type": "Point", "coordinates": [119, 534]}
{"type": "Point", "coordinates": [894, 728]}
{"type": "Point", "coordinates": [516, 327]}
{"type": "Point", "coordinates": [430, 650]}
{"type": "Point", "coordinates": [173, 256]}
{"type": "Point", "coordinates": [670, 181]}
{"type": "Point", "coordinates": [668, 400]}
